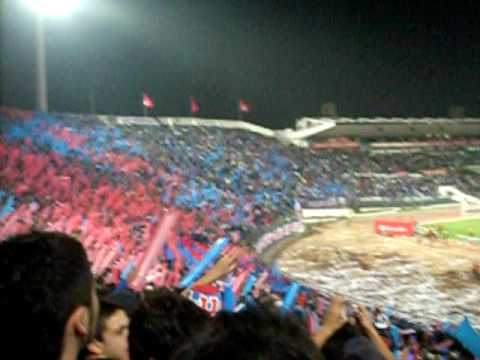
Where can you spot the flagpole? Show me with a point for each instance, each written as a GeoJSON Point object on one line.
{"type": "Point", "coordinates": [145, 111]}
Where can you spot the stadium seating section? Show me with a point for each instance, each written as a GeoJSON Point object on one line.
{"type": "Point", "coordinates": [115, 187]}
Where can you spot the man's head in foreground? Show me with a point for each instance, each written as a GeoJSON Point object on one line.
{"type": "Point", "coordinates": [162, 323]}
{"type": "Point", "coordinates": [48, 302]}
{"type": "Point", "coordinates": [259, 332]}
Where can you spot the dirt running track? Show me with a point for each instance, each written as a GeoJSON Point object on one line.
{"type": "Point", "coordinates": [422, 281]}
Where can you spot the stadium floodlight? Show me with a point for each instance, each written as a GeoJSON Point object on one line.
{"type": "Point", "coordinates": [53, 8]}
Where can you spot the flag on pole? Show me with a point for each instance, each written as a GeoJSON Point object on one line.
{"type": "Point", "coordinates": [243, 107]}
{"type": "Point", "coordinates": [148, 102]}
{"type": "Point", "coordinates": [194, 107]}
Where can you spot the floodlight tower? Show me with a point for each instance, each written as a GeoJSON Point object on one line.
{"type": "Point", "coordinates": [46, 9]}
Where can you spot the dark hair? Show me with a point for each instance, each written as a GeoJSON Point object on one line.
{"type": "Point", "coordinates": [44, 276]}
{"type": "Point", "coordinates": [107, 309]}
{"type": "Point", "coordinates": [333, 348]}
{"type": "Point", "coordinates": [259, 332]}
{"type": "Point", "coordinates": [161, 323]}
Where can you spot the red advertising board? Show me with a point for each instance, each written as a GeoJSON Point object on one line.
{"type": "Point", "coordinates": [395, 227]}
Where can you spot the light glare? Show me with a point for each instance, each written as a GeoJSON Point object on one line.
{"type": "Point", "coordinates": [54, 8]}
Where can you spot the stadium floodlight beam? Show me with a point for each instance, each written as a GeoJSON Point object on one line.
{"type": "Point", "coordinates": [46, 9]}
{"type": "Point", "coordinates": [53, 8]}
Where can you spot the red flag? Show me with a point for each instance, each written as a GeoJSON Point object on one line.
{"type": "Point", "coordinates": [147, 101]}
{"type": "Point", "coordinates": [194, 107]}
{"type": "Point", "coordinates": [243, 106]}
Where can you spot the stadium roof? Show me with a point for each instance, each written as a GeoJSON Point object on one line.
{"type": "Point", "coordinates": [380, 127]}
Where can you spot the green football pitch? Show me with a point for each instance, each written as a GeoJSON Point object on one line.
{"type": "Point", "coordinates": [470, 227]}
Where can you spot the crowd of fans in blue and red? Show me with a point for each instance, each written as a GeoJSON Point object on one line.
{"type": "Point", "coordinates": [139, 243]}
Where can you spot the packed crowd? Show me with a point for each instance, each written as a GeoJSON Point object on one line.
{"type": "Point", "coordinates": [148, 207]}
{"type": "Point", "coordinates": [52, 314]}
{"type": "Point", "coordinates": [418, 174]}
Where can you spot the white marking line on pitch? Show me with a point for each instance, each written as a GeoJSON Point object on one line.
{"type": "Point", "coordinates": [450, 220]}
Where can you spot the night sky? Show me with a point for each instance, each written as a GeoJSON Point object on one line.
{"type": "Point", "coordinates": [285, 58]}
